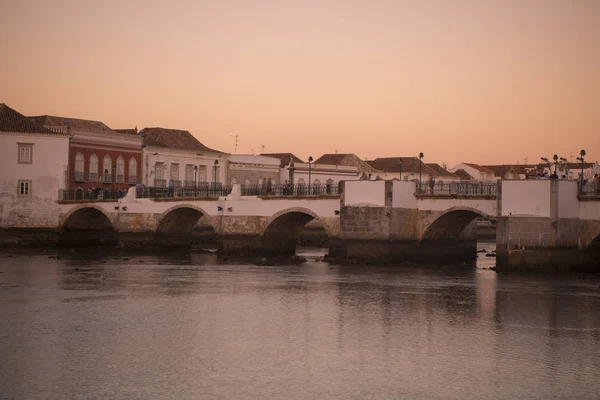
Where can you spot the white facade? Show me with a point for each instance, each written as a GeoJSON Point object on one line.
{"type": "Point", "coordinates": [479, 174]}
{"type": "Point", "coordinates": [250, 169]}
{"type": "Point", "coordinates": [161, 164]}
{"type": "Point", "coordinates": [320, 174]}
{"type": "Point", "coordinates": [34, 168]}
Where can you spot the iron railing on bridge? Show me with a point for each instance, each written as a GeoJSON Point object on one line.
{"type": "Point", "coordinates": [91, 195]}
{"type": "Point", "coordinates": [202, 192]}
{"type": "Point", "coordinates": [291, 190]}
{"type": "Point", "coordinates": [458, 188]}
{"type": "Point", "coordinates": [589, 189]}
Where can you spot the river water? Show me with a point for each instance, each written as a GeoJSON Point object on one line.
{"type": "Point", "coordinates": [96, 324]}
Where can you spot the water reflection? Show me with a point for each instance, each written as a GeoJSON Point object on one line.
{"type": "Point", "coordinates": [85, 324]}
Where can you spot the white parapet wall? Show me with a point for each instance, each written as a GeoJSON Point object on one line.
{"type": "Point", "coordinates": [568, 203]}
{"type": "Point", "coordinates": [526, 198]}
{"type": "Point", "coordinates": [364, 193]}
{"type": "Point", "coordinates": [403, 194]}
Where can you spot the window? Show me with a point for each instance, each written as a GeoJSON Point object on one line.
{"type": "Point", "coordinates": [79, 167]}
{"type": "Point", "coordinates": [93, 168]}
{"type": "Point", "coordinates": [24, 188]}
{"type": "Point", "coordinates": [132, 170]}
{"type": "Point", "coordinates": [174, 175]}
{"type": "Point", "coordinates": [201, 173]}
{"type": "Point", "coordinates": [120, 170]}
{"type": "Point", "coordinates": [189, 173]}
{"type": "Point", "coordinates": [107, 168]}
{"type": "Point", "coordinates": [25, 153]}
{"type": "Point", "coordinates": [159, 175]}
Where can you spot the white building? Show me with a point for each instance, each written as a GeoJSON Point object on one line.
{"type": "Point", "coordinates": [34, 166]}
{"type": "Point", "coordinates": [248, 169]}
{"type": "Point", "coordinates": [176, 155]}
{"type": "Point", "coordinates": [321, 174]}
{"type": "Point", "coordinates": [477, 172]}
{"type": "Point", "coordinates": [409, 169]}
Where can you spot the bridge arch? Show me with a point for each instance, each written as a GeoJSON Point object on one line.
{"type": "Point", "coordinates": [283, 228]}
{"type": "Point", "coordinates": [451, 224]}
{"type": "Point", "coordinates": [87, 224]}
{"type": "Point", "coordinates": [175, 225]}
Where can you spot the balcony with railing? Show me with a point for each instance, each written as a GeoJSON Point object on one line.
{"type": "Point", "coordinates": [589, 190]}
{"type": "Point", "coordinates": [80, 176]}
{"type": "Point", "coordinates": [133, 179]}
{"type": "Point", "coordinates": [120, 178]}
{"type": "Point", "coordinates": [457, 189]}
{"type": "Point", "coordinates": [160, 183]}
{"type": "Point", "coordinates": [189, 184]}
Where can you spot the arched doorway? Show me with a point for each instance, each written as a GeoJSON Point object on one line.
{"type": "Point", "coordinates": [176, 225]}
{"type": "Point", "coordinates": [87, 226]}
{"type": "Point", "coordinates": [284, 230]}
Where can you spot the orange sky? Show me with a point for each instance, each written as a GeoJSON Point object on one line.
{"type": "Point", "coordinates": [482, 81]}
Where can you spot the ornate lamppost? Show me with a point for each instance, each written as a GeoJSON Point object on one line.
{"type": "Point", "coordinates": [291, 168]}
{"type": "Point", "coordinates": [215, 166]}
{"type": "Point", "coordinates": [420, 169]}
{"type": "Point", "coordinates": [310, 159]}
{"type": "Point", "coordinates": [400, 162]}
{"type": "Point", "coordinates": [195, 180]}
{"type": "Point", "coordinates": [114, 168]}
{"type": "Point", "coordinates": [582, 154]}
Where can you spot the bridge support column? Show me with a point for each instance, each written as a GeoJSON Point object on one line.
{"type": "Point", "coordinates": [239, 235]}
{"type": "Point", "coordinates": [537, 242]}
{"type": "Point", "coordinates": [137, 230]}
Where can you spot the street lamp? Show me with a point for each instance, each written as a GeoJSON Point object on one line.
{"type": "Point", "coordinates": [582, 154]}
{"type": "Point", "coordinates": [310, 159]}
{"type": "Point", "coordinates": [195, 180]}
{"type": "Point", "coordinates": [400, 161]}
{"type": "Point", "coordinates": [113, 179]}
{"type": "Point", "coordinates": [420, 170]}
{"type": "Point", "coordinates": [566, 164]}
{"type": "Point", "coordinates": [555, 158]}
{"type": "Point", "coordinates": [105, 180]}
{"type": "Point", "coordinates": [292, 167]}
{"type": "Point", "coordinates": [215, 166]}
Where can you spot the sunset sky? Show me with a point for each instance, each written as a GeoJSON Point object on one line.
{"type": "Point", "coordinates": [483, 81]}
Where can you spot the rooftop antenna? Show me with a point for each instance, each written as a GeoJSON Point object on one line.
{"type": "Point", "coordinates": [235, 140]}
{"type": "Point", "coordinates": [262, 148]}
{"type": "Point", "coordinates": [252, 151]}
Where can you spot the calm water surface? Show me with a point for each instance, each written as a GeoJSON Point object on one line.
{"type": "Point", "coordinates": [187, 326]}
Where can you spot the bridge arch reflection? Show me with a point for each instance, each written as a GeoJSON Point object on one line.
{"type": "Point", "coordinates": [451, 224]}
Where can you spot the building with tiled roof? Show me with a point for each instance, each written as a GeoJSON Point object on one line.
{"type": "Point", "coordinates": [13, 121]}
{"type": "Point", "coordinates": [285, 158]}
{"type": "Point", "coordinates": [462, 175]}
{"type": "Point", "coordinates": [349, 159]}
{"type": "Point", "coordinates": [176, 155]}
{"type": "Point", "coordinates": [411, 168]}
{"type": "Point", "coordinates": [476, 172]}
{"type": "Point", "coordinates": [34, 163]}
{"type": "Point", "coordinates": [442, 173]}
{"type": "Point", "coordinates": [100, 159]}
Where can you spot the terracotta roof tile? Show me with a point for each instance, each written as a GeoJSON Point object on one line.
{"type": "Point", "coordinates": [440, 171]}
{"type": "Point", "coordinates": [173, 139]}
{"type": "Point", "coordinates": [462, 174]}
{"type": "Point", "coordinates": [76, 124]}
{"type": "Point", "coordinates": [13, 121]}
{"type": "Point", "coordinates": [284, 158]}
{"type": "Point", "coordinates": [409, 164]}
{"type": "Point", "coordinates": [349, 159]}
{"type": "Point", "coordinates": [480, 168]}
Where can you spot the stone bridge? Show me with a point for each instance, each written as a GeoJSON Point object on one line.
{"type": "Point", "coordinates": [242, 224]}
{"type": "Point", "coordinates": [539, 222]}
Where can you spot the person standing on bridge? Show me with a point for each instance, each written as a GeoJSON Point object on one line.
{"type": "Point", "coordinates": [171, 187]}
